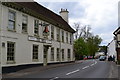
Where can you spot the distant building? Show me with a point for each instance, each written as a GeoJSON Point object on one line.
{"type": "Point", "coordinates": [111, 49]}
{"type": "Point", "coordinates": [32, 34]}
{"type": "Point", "coordinates": [98, 54]}
{"type": "Point", "coordinates": [117, 37]}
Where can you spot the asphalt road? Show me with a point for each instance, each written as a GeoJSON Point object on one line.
{"type": "Point", "coordinates": [87, 69]}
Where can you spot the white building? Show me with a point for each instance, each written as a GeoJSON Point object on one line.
{"type": "Point", "coordinates": [111, 49]}
{"type": "Point", "coordinates": [32, 34]}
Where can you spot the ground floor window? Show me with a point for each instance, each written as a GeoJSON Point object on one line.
{"type": "Point", "coordinates": [69, 52]}
{"type": "Point", "coordinates": [35, 52]}
{"type": "Point", "coordinates": [52, 54]}
{"type": "Point", "coordinates": [58, 54]}
{"type": "Point", "coordinates": [10, 51]}
{"type": "Point", "coordinates": [62, 54]}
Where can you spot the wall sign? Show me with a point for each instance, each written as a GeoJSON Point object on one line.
{"type": "Point", "coordinates": [32, 38]}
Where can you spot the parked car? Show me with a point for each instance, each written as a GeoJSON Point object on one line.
{"type": "Point", "coordinates": [90, 57]}
{"type": "Point", "coordinates": [102, 58]}
{"type": "Point", "coordinates": [85, 57]}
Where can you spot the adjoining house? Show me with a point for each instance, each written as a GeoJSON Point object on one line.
{"type": "Point", "coordinates": [111, 49]}
{"type": "Point", "coordinates": [98, 54]}
{"type": "Point", "coordinates": [32, 34]}
{"type": "Point", "coordinates": [117, 37]}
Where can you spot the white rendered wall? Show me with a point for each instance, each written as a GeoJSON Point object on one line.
{"type": "Point", "coordinates": [23, 47]}
{"type": "Point", "coordinates": [112, 49]}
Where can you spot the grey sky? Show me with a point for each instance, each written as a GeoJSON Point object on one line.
{"type": "Point", "coordinates": [102, 15]}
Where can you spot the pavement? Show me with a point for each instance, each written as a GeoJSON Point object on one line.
{"type": "Point", "coordinates": [114, 70]}
{"type": "Point", "coordinates": [36, 69]}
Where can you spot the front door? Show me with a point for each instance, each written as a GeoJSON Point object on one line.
{"type": "Point", "coordinates": [45, 55]}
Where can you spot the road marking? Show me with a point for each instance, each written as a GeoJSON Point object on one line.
{"type": "Point", "coordinates": [85, 67]}
{"type": "Point", "coordinates": [54, 78]}
{"type": "Point", "coordinates": [92, 64]}
{"type": "Point", "coordinates": [73, 72]}
{"type": "Point", "coordinates": [95, 62]}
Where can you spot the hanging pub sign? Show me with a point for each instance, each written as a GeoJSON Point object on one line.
{"type": "Point", "coordinates": [46, 32]}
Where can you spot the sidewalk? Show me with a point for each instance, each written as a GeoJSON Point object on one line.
{"type": "Point", "coordinates": [119, 72]}
{"type": "Point", "coordinates": [115, 71]}
{"type": "Point", "coordinates": [36, 69]}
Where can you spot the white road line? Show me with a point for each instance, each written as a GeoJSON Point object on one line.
{"type": "Point", "coordinates": [85, 67]}
{"type": "Point", "coordinates": [92, 64]}
{"type": "Point", "coordinates": [95, 62]}
{"type": "Point", "coordinates": [54, 78]}
{"type": "Point", "coordinates": [73, 72]}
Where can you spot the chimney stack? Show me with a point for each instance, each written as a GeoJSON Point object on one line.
{"type": "Point", "coordinates": [64, 14]}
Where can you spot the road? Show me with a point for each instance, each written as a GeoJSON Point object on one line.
{"type": "Point", "coordinates": [87, 69]}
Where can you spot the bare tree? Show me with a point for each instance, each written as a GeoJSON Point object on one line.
{"type": "Point", "coordinates": [82, 31]}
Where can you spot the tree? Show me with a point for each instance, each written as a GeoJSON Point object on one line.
{"type": "Point", "coordinates": [80, 48]}
{"type": "Point", "coordinates": [86, 43]}
{"type": "Point", "coordinates": [93, 44]}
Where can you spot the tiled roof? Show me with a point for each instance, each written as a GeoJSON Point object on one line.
{"type": "Point", "coordinates": [48, 14]}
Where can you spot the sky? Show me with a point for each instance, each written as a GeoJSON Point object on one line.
{"type": "Point", "coordinates": [101, 15]}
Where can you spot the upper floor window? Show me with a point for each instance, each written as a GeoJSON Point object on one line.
{"type": "Point", "coordinates": [24, 23]}
{"type": "Point", "coordinates": [36, 27]}
{"type": "Point", "coordinates": [62, 36]}
{"type": "Point", "coordinates": [71, 38]}
{"type": "Point", "coordinates": [66, 37]}
{"type": "Point", "coordinates": [11, 20]}
{"type": "Point", "coordinates": [58, 34]}
{"type": "Point", "coordinates": [52, 32]}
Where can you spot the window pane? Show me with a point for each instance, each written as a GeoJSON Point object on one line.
{"type": "Point", "coordinates": [36, 26]}
{"type": "Point", "coordinates": [10, 51]}
{"type": "Point", "coordinates": [11, 20]}
{"type": "Point", "coordinates": [35, 51]}
{"type": "Point", "coordinates": [24, 23]}
{"type": "Point", "coordinates": [11, 15]}
{"type": "Point", "coordinates": [11, 25]}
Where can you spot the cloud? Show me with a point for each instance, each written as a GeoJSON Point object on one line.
{"type": "Point", "coordinates": [102, 15]}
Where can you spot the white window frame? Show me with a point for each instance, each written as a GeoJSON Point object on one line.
{"type": "Point", "coordinates": [10, 52]}
{"type": "Point", "coordinates": [62, 36]}
{"type": "Point", "coordinates": [24, 23]}
{"type": "Point", "coordinates": [52, 53]}
{"type": "Point", "coordinates": [35, 52]}
{"type": "Point", "coordinates": [52, 32]}
{"type": "Point", "coordinates": [36, 27]}
{"type": "Point", "coordinates": [11, 20]}
{"type": "Point", "coordinates": [66, 37]}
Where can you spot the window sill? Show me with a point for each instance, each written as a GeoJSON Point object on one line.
{"type": "Point", "coordinates": [24, 32]}
{"type": "Point", "coordinates": [35, 60]}
{"type": "Point", "coordinates": [11, 62]}
{"type": "Point", "coordinates": [11, 30]}
{"type": "Point", "coordinates": [36, 35]}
